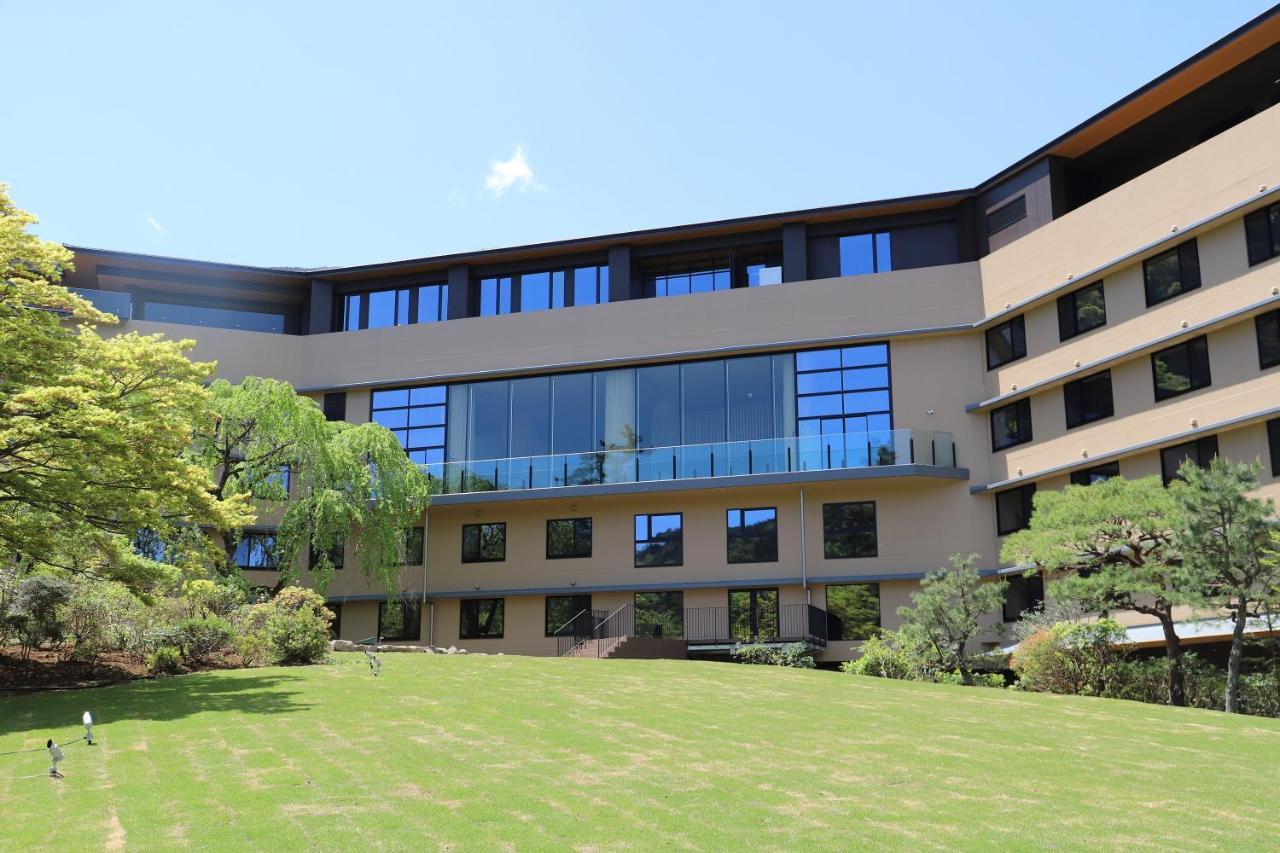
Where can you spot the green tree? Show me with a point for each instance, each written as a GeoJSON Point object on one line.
{"type": "Point", "coordinates": [92, 429]}
{"type": "Point", "coordinates": [1113, 547]}
{"type": "Point", "coordinates": [343, 479]}
{"type": "Point", "coordinates": [1223, 535]}
{"type": "Point", "coordinates": [946, 614]}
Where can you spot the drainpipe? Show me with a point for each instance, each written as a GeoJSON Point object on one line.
{"type": "Point", "coordinates": [804, 553]}
{"type": "Point", "coordinates": [431, 623]}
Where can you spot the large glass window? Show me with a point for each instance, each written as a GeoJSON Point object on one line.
{"type": "Point", "coordinates": [753, 615]}
{"type": "Point", "coordinates": [1011, 424]}
{"type": "Point", "coordinates": [1171, 273]}
{"type": "Point", "coordinates": [414, 546]}
{"type": "Point", "coordinates": [1088, 399]}
{"type": "Point", "coordinates": [1200, 451]}
{"type": "Point", "coordinates": [689, 276]}
{"type": "Point", "coordinates": [495, 296]}
{"type": "Point", "coordinates": [1262, 234]}
{"type": "Point", "coordinates": [753, 535]}
{"type": "Point", "coordinates": [244, 319]}
{"type": "Point", "coordinates": [541, 291]}
{"type": "Point", "coordinates": [337, 556]}
{"type": "Point", "coordinates": [256, 551]}
{"type": "Point", "coordinates": [1022, 593]}
{"type": "Point", "coordinates": [568, 538]}
{"type": "Point", "coordinates": [843, 405]}
{"type": "Point", "coordinates": [660, 614]}
{"type": "Point", "coordinates": [660, 540]}
{"type": "Point", "coordinates": [481, 618]}
{"type": "Point", "coordinates": [853, 611]}
{"type": "Point", "coordinates": [1268, 328]}
{"type": "Point", "coordinates": [400, 620]}
{"type": "Point", "coordinates": [376, 309]}
{"type": "Point", "coordinates": [416, 416]}
{"type": "Point", "coordinates": [1006, 342]}
{"type": "Point", "coordinates": [591, 285]}
{"type": "Point", "coordinates": [1013, 509]}
{"type": "Point", "coordinates": [849, 530]}
{"type": "Point", "coordinates": [1081, 311]}
{"type": "Point", "coordinates": [562, 608]}
{"type": "Point", "coordinates": [433, 303]}
{"type": "Point", "coordinates": [484, 543]}
{"type": "Point", "coordinates": [1181, 368]}
{"type": "Point", "coordinates": [866, 253]}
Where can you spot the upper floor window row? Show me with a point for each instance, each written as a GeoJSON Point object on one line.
{"type": "Point", "coordinates": [1262, 234]}
{"type": "Point", "coordinates": [866, 253]}
{"type": "Point", "coordinates": [377, 309]}
{"type": "Point", "coordinates": [541, 290]}
{"type": "Point", "coordinates": [708, 273]}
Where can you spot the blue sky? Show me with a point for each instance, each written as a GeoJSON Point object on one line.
{"type": "Point", "coordinates": [310, 134]}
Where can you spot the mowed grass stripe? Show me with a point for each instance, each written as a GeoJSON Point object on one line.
{"type": "Point", "coordinates": [478, 753]}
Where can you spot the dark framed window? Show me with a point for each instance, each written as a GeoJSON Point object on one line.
{"type": "Point", "coordinates": [414, 542]}
{"type": "Point", "coordinates": [561, 608]}
{"type": "Point", "coordinates": [335, 406]}
{"type": "Point", "coordinates": [1013, 509]}
{"type": "Point", "coordinates": [416, 417]}
{"type": "Point", "coordinates": [1011, 424]}
{"type": "Point", "coordinates": [866, 253]}
{"type": "Point", "coordinates": [484, 543]}
{"type": "Point", "coordinates": [1082, 311]}
{"type": "Point", "coordinates": [400, 306]}
{"type": "Point", "coordinates": [753, 615]}
{"type": "Point", "coordinates": [1007, 214]}
{"type": "Point", "coordinates": [660, 540]}
{"type": "Point", "coordinates": [753, 535]}
{"type": "Point", "coordinates": [1088, 399]}
{"type": "Point", "coordinates": [568, 538]}
{"type": "Point", "coordinates": [1006, 342]}
{"type": "Point", "coordinates": [481, 618]}
{"type": "Point", "coordinates": [1181, 368]}
{"type": "Point", "coordinates": [1262, 234]}
{"type": "Point", "coordinates": [660, 614]}
{"type": "Point", "coordinates": [494, 296]}
{"type": "Point", "coordinates": [1171, 273]}
{"type": "Point", "coordinates": [839, 392]}
{"type": "Point", "coordinates": [400, 619]}
{"type": "Point", "coordinates": [249, 318]}
{"type": "Point", "coordinates": [1200, 451]}
{"type": "Point", "coordinates": [591, 285]}
{"type": "Point", "coordinates": [335, 627]}
{"type": "Point", "coordinates": [1096, 474]}
{"type": "Point", "coordinates": [849, 530]}
{"type": "Point", "coordinates": [1022, 593]}
{"type": "Point", "coordinates": [337, 556]}
{"type": "Point", "coordinates": [689, 275]}
{"type": "Point", "coordinates": [1273, 444]}
{"type": "Point", "coordinates": [256, 551]}
{"type": "Point", "coordinates": [853, 611]}
{"type": "Point", "coordinates": [1268, 327]}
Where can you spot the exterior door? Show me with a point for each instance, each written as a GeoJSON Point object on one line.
{"type": "Point", "coordinates": [753, 615]}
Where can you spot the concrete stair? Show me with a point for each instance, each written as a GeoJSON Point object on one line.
{"type": "Point", "coordinates": [630, 648]}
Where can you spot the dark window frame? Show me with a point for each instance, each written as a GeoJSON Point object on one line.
{"type": "Point", "coordinates": [575, 537]}
{"type": "Point", "coordinates": [479, 553]}
{"type": "Point", "coordinates": [1262, 234]}
{"type": "Point", "coordinates": [335, 406]}
{"type": "Point", "coordinates": [828, 543]}
{"type": "Point", "coordinates": [1007, 214]}
{"type": "Point", "coordinates": [466, 603]}
{"type": "Point", "coordinates": [415, 545]}
{"type": "Point", "coordinates": [1022, 410]}
{"type": "Point", "coordinates": [548, 629]}
{"type": "Point", "coordinates": [838, 372]}
{"type": "Point", "coordinates": [1084, 476]}
{"type": "Point", "coordinates": [876, 237]}
{"type": "Point", "coordinates": [413, 296]}
{"type": "Point", "coordinates": [1026, 493]}
{"type": "Point", "coordinates": [729, 533]}
{"type": "Point", "coordinates": [1188, 255]}
{"type": "Point", "coordinates": [1273, 444]}
{"type": "Point", "coordinates": [1069, 312]}
{"type": "Point", "coordinates": [650, 540]}
{"type": "Point", "coordinates": [432, 453]}
{"type": "Point", "coordinates": [1073, 397]}
{"type": "Point", "coordinates": [267, 550]}
{"type": "Point", "coordinates": [831, 618]}
{"type": "Point", "coordinates": [1271, 318]}
{"type": "Point", "coordinates": [1193, 347]}
{"type": "Point", "coordinates": [1033, 590]}
{"type": "Point", "coordinates": [406, 606]}
{"type": "Point", "coordinates": [1017, 340]}
{"type": "Point", "coordinates": [1203, 449]}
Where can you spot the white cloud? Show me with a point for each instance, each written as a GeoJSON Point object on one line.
{"type": "Point", "coordinates": [155, 226]}
{"type": "Point", "coordinates": [516, 172]}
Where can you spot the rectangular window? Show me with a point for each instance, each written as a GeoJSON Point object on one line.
{"type": "Point", "coordinates": [1088, 399]}
{"type": "Point", "coordinates": [842, 392]}
{"type": "Point", "coordinates": [1181, 368]}
{"type": "Point", "coordinates": [681, 278]}
{"type": "Point", "coordinates": [866, 253]}
{"type": "Point", "coordinates": [337, 556]}
{"type": "Point", "coordinates": [762, 272]}
{"type": "Point", "coordinates": [335, 406]}
{"type": "Point", "coordinates": [1082, 311]}
{"type": "Point", "coordinates": [660, 614]}
{"type": "Point", "coordinates": [1011, 424]}
{"type": "Point", "coordinates": [1273, 444]}
{"type": "Point", "coordinates": [256, 551]}
{"type": "Point", "coordinates": [433, 303]}
{"type": "Point", "coordinates": [560, 609]}
{"type": "Point", "coordinates": [495, 296]}
{"type": "Point", "coordinates": [484, 543]}
{"type": "Point", "coordinates": [1200, 451]}
{"type": "Point", "coordinates": [568, 538]}
{"type": "Point", "coordinates": [378, 309]}
{"type": "Point", "coordinates": [1006, 342]}
{"type": "Point", "coordinates": [1096, 474]}
{"type": "Point", "coordinates": [335, 627]}
{"type": "Point", "coordinates": [414, 542]}
{"type": "Point", "coordinates": [400, 620]}
{"type": "Point", "coordinates": [660, 540]}
{"type": "Point", "coordinates": [1268, 327]}
{"type": "Point", "coordinates": [853, 611]}
{"type": "Point", "coordinates": [541, 291]}
{"type": "Point", "coordinates": [1262, 234]}
{"type": "Point", "coordinates": [591, 285]}
{"type": "Point", "coordinates": [753, 615]}
{"type": "Point", "coordinates": [1013, 509]}
{"type": "Point", "coordinates": [1171, 273]}
{"type": "Point", "coordinates": [416, 416]}
{"type": "Point", "coordinates": [1021, 594]}
{"type": "Point", "coordinates": [849, 530]}
{"type": "Point", "coordinates": [481, 618]}
{"type": "Point", "coordinates": [1007, 214]}
{"type": "Point", "coordinates": [753, 535]}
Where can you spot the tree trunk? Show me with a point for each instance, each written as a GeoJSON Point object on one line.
{"type": "Point", "coordinates": [1173, 650]}
{"type": "Point", "coordinates": [1233, 662]}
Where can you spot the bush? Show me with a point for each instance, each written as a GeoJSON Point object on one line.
{"type": "Point", "coordinates": [200, 638]}
{"type": "Point", "coordinates": [163, 660]}
{"type": "Point", "coordinates": [251, 647]}
{"type": "Point", "coordinates": [297, 627]}
{"type": "Point", "coordinates": [794, 655]}
{"type": "Point", "coordinates": [882, 659]}
{"type": "Point", "coordinates": [34, 612]}
{"type": "Point", "coordinates": [1074, 658]}
{"type": "Point", "coordinates": [207, 598]}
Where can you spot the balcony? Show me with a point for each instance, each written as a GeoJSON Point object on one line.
{"type": "Point", "coordinates": [702, 630]}
{"type": "Point", "coordinates": [111, 301]}
{"type": "Point", "coordinates": [901, 451]}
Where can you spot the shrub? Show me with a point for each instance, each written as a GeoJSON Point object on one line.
{"type": "Point", "coordinates": [34, 612]}
{"type": "Point", "coordinates": [795, 655]}
{"type": "Point", "coordinates": [1075, 658]}
{"type": "Point", "coordinates": [251, 647]}
{"type": "Point", "coordinates": [200, 638]}
{"type": "Point", "coordinates": [163, 660]}
{"type": "Point", "coordinates": [207, 598]}
{"type": "Point", "coordinates": [880, 658]}
{"type": "Point", "coordinates": [297, 627]}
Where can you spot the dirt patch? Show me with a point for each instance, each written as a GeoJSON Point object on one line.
{"type": "Point", "coordinates": [49, 669]}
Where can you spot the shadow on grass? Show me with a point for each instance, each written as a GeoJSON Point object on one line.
{"type": "Point", "coordinates": [244, 692]}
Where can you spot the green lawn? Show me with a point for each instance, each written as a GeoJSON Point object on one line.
{"type": "Point", "coordinates": [481, 753]}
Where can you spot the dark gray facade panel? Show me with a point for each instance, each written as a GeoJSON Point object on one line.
{"type": "Point", "coordinates": [459, 291]}
{"type": "Point", "coordinates": [795, 252]}
{"type": "Point", "coordinates": [926, 246]}
{"type": "Point", "coordinates": [1036, 184]}
{"type": "Point", "coordinates": [320, 316]}
{"type": "Point", "coordinates": [620, 269]}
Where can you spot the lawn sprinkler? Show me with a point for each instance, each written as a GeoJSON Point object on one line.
{"type": "Point", "coordinates": [56, 755]}
{"type": "Point", "coordinates": [88, 728]}
{"type": "Point", "coordinates": [375, 662]}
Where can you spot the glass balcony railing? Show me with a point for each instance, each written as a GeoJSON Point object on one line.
{"type": "Point", "coordinates": [884, 448]}
{"type": "Point", "coordinates": [111, 301]}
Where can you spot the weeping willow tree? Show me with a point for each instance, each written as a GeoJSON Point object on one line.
{"type": "Point", "coordinates": [327, 481]}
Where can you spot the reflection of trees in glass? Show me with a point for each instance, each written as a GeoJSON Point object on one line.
{"type": "Point", "coordinates": [853, 611]}
{"type": "Point", "coordinates": [849, 529]}
{"type": "Point", "coordinates": [753, 536]}
{"type": "Point", "coordinates": [562, 608]}
{"type": "Point", "coordinates": [569, 537]}
{"type": "Point", "coordinates": [753, 615]}
{"type": "Point", "coordinates": [1167, 377]}
{"type": "Point", "coordinates": [603, 465]}
{"type": "Point", "coordinates": [1091, 309]}
{"type": "Point", "coordinates": [481, 617]}
{"type": "Point", "coordinates": [660, 614]}
{"type": "Point", "coordinates": [484, 542]}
